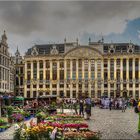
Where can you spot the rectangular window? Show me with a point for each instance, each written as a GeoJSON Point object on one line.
{"type": "Point", "coordinates": [40, 86]}
{"type": "Point", "coordinates": [61, 85]}
{"type": "Point", "coordinates": [61, 64]}
{"type": "Point", "coordinates": [74, 94]}
{"type": "Point", "coordinates": [54, 70]}
{"type": "Point", "coordinates": [28, 94]}
{"type": "Point", "coordinates": [47, 64]}
{"type": "Point", "coordinates": [28, 65]}
{"type": "Point", "coordinates": [41, 75]}
{"type": "Point", "coordinates": [68, 94]}
{"type": "Point", "coordinates": [47, 86]}
{"type": "Point", "coordinates": [28, 86]}
{"type": "Point", "coordinates": [41, 64]}
{"type": "Point", "coordinates": [47, 74]}
{"type": "Point", "coordinates": [34, 94]}
{"type": "Point", "coordinates": [54, 86]}
{"type": "Point", "coordinates": [61, 74]}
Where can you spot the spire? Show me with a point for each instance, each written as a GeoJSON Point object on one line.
{"type": "Point", "coordinates": [65, 40]}
{"type": "Point", "coordinates": [102, 39]}
{"type": "Point", "coordinates": [4, 37]}
{"type": "Point", "coordinates": [17, 52]}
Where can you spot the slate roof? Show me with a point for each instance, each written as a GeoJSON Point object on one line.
{"type": "Point", "coordinates": [46, 48]}
{"type": "Point", "coordinates": [120, 47]}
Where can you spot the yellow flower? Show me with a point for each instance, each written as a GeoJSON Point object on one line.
{"type": "Point", "coordinates": [49, 127]}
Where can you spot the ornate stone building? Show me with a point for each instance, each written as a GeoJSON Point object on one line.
{"type": "Point", "coordinates": [6, 67]}
{"type": "Point", "coordinates": [72, 70]}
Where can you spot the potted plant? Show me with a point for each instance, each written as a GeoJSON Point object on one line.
{"type": "Point", "coordinates": [10, 110]}
{"type": "Point", "coordinates": [40, 116]}
{"type": "Point", "coordinates": [17, 117]}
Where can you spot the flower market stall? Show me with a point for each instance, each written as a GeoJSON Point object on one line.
{"type": "Point", "coordinates": [18, 101]}
{"type": "Point", "coordinates": [3, 125]}
{"type": "Point", "coordinates": [57, 127]}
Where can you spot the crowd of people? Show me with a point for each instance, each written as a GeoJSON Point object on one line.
{"type": "Point", "coordinates": [116, 103]}
{"type": "Point", "coordinates": [80, 106]}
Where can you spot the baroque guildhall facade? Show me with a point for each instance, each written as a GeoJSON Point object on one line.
{"type": "Point", "coordinates": [72, 70]}
{"type": "Point", "coordinates": [6, 67]}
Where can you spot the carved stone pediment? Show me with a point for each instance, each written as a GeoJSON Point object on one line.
{"type": "Point", "coordinates": [83, 53]}
{"type": "Point", "coordinates": [54, 50]}
{"type": "Point", "coordinates": [34, 51]}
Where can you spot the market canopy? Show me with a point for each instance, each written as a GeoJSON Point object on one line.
{"type": "Point", "coordinates": [19, 98]}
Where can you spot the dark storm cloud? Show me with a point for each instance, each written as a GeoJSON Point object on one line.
{"type": "Point", "coordinates": [20, 17]}
{"type": "Point", "coordinates": [29, 21]}
{"type": "Point", "coordinates": [26, 17]}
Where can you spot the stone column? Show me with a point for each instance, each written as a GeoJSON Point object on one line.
{"type": "Point", "coordinates": [71, 78]}
{"type": "Point", "coordinates": [127, 74]}
{"type": "Point", "coordinates": [44, 75]}
{"type": "Point", "coordinates": [96, 79]}
{"type": "Point", "coordinates": [25, 83]}
{"type": "Point", "coordinates": [109, 78]}
{"type": "Point", "coordinates": [37, 78]}
{"type": "Point", "coordinates": [102, 77]}
{"type": "Point", "coordinates": [121, 75]}
{"type": "Point", "coordinates": [115, 76]}
{"type": "Point", "coordinates": [58, 77]}
{"type": "Point", "coordinates": [31, 83]}
{"type": "Point", "coordinates": [83, 77]}
{"type": "Point", "coordinates": [133, 75]}
{"type": "Point", "coordinates": [65, 76]}
{"type": "Point", "coordinates": [89, 77]}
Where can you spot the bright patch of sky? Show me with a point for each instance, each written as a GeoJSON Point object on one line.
{"type": "Point", "coordinates": [131, 33]}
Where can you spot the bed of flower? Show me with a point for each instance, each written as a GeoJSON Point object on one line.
{"type": "Point", "coordinates": [17, 114]}
{"type": "Point", "coordinates": [4, 125]}
{"type": "Point", "coordinates": [57, 127]}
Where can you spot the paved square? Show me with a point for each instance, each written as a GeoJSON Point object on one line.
{"type": "Point", "coordinates": [115, 124]}
{"type": "Point", "coordinates": [112, 124]}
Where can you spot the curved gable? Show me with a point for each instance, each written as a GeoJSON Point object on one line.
{"type": "Point", "coordinates": [83, 52]}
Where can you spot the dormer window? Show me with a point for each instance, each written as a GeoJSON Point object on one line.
{"type": "Point", "coordinates": [130, 48]}
{"type": "Point", "coordinates": [130, 51]}
{"type": "Point", "coordinates": [34, 51]}
{"type": "Point", "coordinates": [112, 51]}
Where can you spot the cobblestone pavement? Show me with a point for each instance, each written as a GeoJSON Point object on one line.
{"type": "Point", "coordinates": [115, 124]}
{"type": "Point", "coordinates": [112, 124]}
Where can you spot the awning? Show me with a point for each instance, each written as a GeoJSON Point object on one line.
{"type": "Point", "coordinates": [19, 98]}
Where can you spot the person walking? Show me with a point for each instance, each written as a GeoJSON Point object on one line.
{"type": "Point", "coordinates": [81, 108]}
{"type": "Point", "coordinates": [88, 108]}
{"type": "Point", "coordinates": [123, 105]}
{"type": "Point", "coordinates": [110, 104]}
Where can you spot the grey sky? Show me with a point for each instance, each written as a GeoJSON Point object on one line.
{"type": "Point", "coordinates": [28, 23]}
